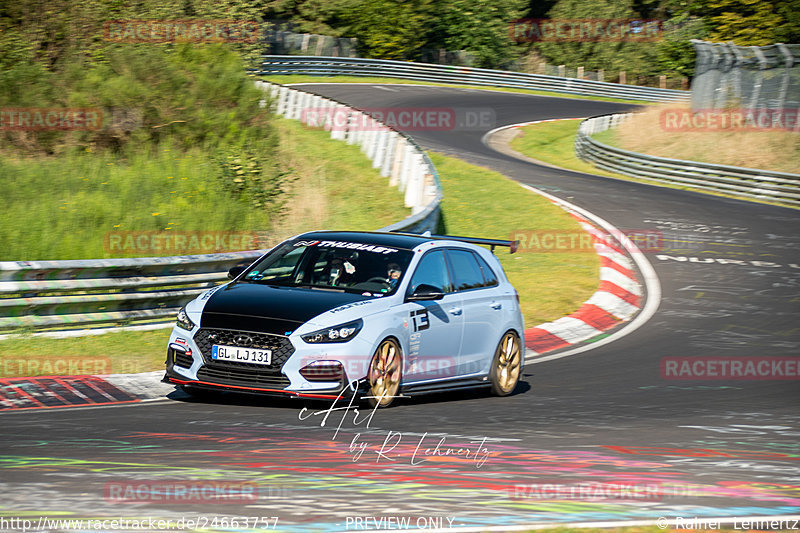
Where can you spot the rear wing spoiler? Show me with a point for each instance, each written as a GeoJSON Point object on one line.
{"type": "Point", "coordinates": [491, 243]}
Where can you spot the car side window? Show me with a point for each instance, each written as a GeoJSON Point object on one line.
{"type": "Point", "coordinates": [431, 270]}
{"type": "Point", "coordinates": [489, 277]}
{"type": "Point", "coordinates": [466, 270]}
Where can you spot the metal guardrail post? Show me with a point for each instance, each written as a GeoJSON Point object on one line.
{"type": "Point", "coordinates": [388, 156]}
{"type": "Point", "coordinates": [397, 162]}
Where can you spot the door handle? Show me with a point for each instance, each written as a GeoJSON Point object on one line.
{"type": "Point", "coordinates": [496, 305]}
{"type": "Point", "coordinates": [455, 311]}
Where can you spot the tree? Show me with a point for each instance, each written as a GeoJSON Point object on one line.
{"type": "Point", "coordinates": [386, 29]}
{"type": "Point", "coordinates": [475, 26]}
{"type": "Point", "coordinates": [638, 58]}
{"type": "Point", "coordinates": [754, 22]}
{"type": "Point", "coordinates": [307, 16]}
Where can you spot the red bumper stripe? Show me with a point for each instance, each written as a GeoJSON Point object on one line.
{"type": "Point", "coordinates": [280, 391]}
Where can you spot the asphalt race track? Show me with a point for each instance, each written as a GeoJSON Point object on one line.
{"type": "Point", "coordinates": [611, 434]}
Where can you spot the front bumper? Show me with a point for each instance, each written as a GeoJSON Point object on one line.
{"type": "Point", "coordinates": [189, 363]}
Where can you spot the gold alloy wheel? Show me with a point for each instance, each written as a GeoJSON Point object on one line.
{"type": "Point", "coordinates": [384, 373]}
{"type": "Point", "coordinates": [506, 365]}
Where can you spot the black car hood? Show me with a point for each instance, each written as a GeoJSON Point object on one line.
{"type": "Point", "coordinates": [269, 309]}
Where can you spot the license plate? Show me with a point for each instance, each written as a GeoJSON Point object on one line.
{"type": "Point", "coordinates": [241, 355]}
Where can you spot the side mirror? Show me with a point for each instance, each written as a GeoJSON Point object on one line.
{"type": "Point", "coordinates": [425, 292]}
{"type": "Point", "coordinates": [235, 271]}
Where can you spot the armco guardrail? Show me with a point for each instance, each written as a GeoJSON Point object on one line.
{"type": "Point", "coordinates": [44, 294]}
{"type": "Point", "coordinates": [85, 294]}
{"type": "Point", "coordinates": [748, 182]}
{"type": "Point", "coordinates": [351, 66]}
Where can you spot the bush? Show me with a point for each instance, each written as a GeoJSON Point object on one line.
{"type": "Point", "coordinates": [191, 95]}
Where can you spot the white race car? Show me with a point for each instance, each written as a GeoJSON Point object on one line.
{"type": "Point", "coordinates": [332, 314]}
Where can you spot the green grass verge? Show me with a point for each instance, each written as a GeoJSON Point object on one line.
{"type": "Point", "coordinates": [305, 78]}
{"type": "Point", "coordinates": [478, 202]}
{"type": "Point", "coordinates": [121, 352]}
{"type": "Point", "coordinates": [69, 207]}
{"type": "Point", "coordinates": [553, 143]}
{"type": "Point", "coordinates": [333, 184]}
{"type": "Point", "coordinates": [62, 208]}
{"type": "Point", "coordinates": [482, 203]}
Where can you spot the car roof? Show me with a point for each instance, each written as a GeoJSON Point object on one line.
{"type": "Point", "coordinates": [394, 240]}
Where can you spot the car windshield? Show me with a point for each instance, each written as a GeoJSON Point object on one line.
{"type": "Point", "coordinates": [334, 265]}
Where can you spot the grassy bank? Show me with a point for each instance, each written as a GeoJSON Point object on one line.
{"type": "Point", "coordinates": [67, 207]}
{"type": "Point", "coordinates": [483, 203]}
{"type": "Point", "coordinates": [553, 143]}
{"type": "Point", "coordinates": [659, 131]}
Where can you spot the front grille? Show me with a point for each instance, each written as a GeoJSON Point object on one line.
{"type": "Point", "coordinates": [243, 377]}
{"type": "Point", "coordinates": [182, 359]}
{"type": "Point", "coordinates": [281, 347]}
{"type": "Point", "coordinates": [243, 374]}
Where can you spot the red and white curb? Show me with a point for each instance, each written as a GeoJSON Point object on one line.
{"type": "Point", "coordinates": [620, 294]}
{"type": "Point", "coordinates": [50, 392]}
{"type": "Point", "coordinates": [617, 299]}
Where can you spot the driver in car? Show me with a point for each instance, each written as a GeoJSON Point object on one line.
{"type": "Point", "coordinates": [393, 274]}
{"type": "Point", "coordinates": [342, 270]}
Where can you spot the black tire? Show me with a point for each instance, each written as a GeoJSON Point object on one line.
{"type": "Point", "coordinates": [384, 374]}
{"type": "Point", "coordinates": [506, 365]}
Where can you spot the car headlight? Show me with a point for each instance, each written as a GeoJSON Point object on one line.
{"type": "Point", "coordinates": [183, 321]}
{"type": "Point", "coordinates": [340, 333]}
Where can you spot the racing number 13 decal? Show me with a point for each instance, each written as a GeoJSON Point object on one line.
{"type": "Point", "coordinates": [420, 319]}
